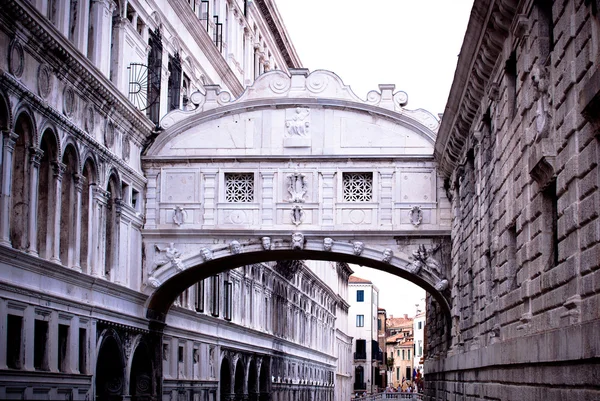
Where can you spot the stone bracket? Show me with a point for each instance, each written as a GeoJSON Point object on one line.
{"type": "Point", "coordinates": [541, 162]}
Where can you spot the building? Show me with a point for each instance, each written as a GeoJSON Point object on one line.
{"type": "Point", "coordinates": [364, 300]}
{"type": "Point", "coordinates": [419, 340]}
{"type": "Point", "coordinates": [83, 87]}
{"type": "Point", "coordinates": [399, 349]}
{"type": "Point", "coordinates": [381, 341]}
{"type": "Point", "coordinates": [518, 147]}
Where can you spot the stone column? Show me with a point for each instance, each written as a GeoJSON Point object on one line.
{"type": "Point", "coordinates": [9, 139]}
{"type": "Point", "coordinates": [80, 36]}
{"type": "Point", "coordinates": [101, 21]}
{"type": "Point", "coordinates": [152, 176]}
{"type": "Point", "coordinates": [28, 337]}
{"type": "Point", "coordinates": [3, 332]}
{"type": "Point", "coordinates": [74, 261]}
{"type": "Point", "coordinates": [73, 346]}
{"type": "Point", "coordinates": [267, 204]}
{"type": "Point", "coordinates": [52, 344]}
{"type": "Point", "coordinates": [35, 156]}
{"type": "Point", "coordinates": [100, 200]}
{"type": "Point", "coordinates": [117, 272]}
{"type": "Point", "coordinates": [116, 69]}
{"type": "Point", "coordinates": [59, 170]}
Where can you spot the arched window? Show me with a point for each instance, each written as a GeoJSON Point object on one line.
{"type": "Point", "coordinates": [46, 194]}
{"type": "Point", "coordinates": [359, 377]}
{"type": "Point", "coordinates": [20, 182]}
{"type": "Point", "coordinates": [111, 245]}
{"type": "Point", "coordinates": [67, 208]}
{"type": "Point", "coordinates": [89, 181]}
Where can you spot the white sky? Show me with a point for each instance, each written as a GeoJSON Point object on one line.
{"type": "Point", "coordinates": [413, 44]}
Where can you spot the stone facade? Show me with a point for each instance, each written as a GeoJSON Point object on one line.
{"type": "Point", "coordinates": [518, 147]}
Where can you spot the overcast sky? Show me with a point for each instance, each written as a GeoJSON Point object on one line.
{"type": "Point", "coordinates": [413, 44]}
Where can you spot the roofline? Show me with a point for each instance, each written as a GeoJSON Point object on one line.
{"type": "Point", "coordinates": [280, 34]}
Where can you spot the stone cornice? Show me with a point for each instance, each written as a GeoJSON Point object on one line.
{"type": "Point", "coordinates": [275, 24]}
{"type": "Point", "coordinates": [67, 60]}
{"type": "Point", "coordinates": [203, 39]}
{"type": "Point", "coordinates": [483, 43]}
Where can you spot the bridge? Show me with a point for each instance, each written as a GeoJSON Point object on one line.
{"type": "Point", "coordinates": [297, 167]}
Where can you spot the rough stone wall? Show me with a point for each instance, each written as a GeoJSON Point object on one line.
{"type": "Point", "coordinates": [525, 280]}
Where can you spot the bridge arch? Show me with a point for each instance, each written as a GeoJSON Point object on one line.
{"type": "Point", "coordinates": [171, 279]}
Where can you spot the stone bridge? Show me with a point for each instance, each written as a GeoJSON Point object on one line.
{"type": "Point", "coordinates": [298, 167]}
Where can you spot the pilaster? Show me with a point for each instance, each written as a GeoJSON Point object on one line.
{"type": "Point", "coordinates": [210, 193]}
{"type": "Point", "coordinates": [100, 200]}
{"type": "Point", "coordinates": [267, 204]}
{"type": "Point", "coordinates": [101, 21]}
{"type": "Point", "coordinates": [35, 155]}
{"type": "Point", "coordinates": [59, 170]}
{"type": "Point", "coordinates": [9, 139]}
{"type": "Point", "coordinates": [385, 198]}
{"type": "Point", "coordinates": [74, 262]}
{"type": "Point", "coordinates": [327, 198]}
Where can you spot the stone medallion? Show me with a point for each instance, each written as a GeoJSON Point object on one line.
{"type": "Point", "coordinates": [68, 101]}
{"type": "Point", "coordinates": [44, 80]}
{"type": "Point", "coordinates": [16, 62]}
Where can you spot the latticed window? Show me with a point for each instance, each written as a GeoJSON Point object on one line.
{"type": "Point", "coordinates": [358, 187]}
{"type": "Point", "coordinates": [239, 187]}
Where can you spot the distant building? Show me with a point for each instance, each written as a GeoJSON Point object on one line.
{"type": "Point", "coordinates": [364, 300]}
{"type": "Point", "coordinates": [381, 340]}
{"type": "Point", "coordinates": [419, 340]}
{"type": "Point", "coordinates": [399, 349]}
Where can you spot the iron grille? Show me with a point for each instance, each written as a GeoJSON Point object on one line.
{"type": "Point", "coordinates": [141, 85]}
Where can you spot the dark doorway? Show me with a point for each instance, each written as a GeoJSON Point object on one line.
{"type": "Point", "coordinates": [239, 380]}
{"type": "Point", "coordinates": [252, 382]}
{"type": "Point", "coordinates": [109, 371]}
{"type": "Point", "coordinates": [225, 381]}
{"type": "Point", "coordinates": [140, 383]}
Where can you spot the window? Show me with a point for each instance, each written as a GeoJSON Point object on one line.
{"type": "Point", "coordinates": [40, 341]}
{"type": "Point", "coordinates": [397, 373]}
{"type": "Point", "coordinates": [239, 187]}
{"type": "Point", "coordinates": [398, 353]}
{"type": "Point", "coordinates": [420, 348]}
{"type": "Point", "coordinates": [419, 325]}
{"type": "Point", "coordinates": [82, 350]}
{"type": "Point", "coordinates": [154, 75]}
{"type": "Point", "coordinates": [357, 187]}
{"type": "Point", "coordinates": [403, 354]}
{"type": "Point", "coordinates": [174, 83]}
{"type": "Point", "coordinates": [408, 353]}
{"type": "Point", "coordinates": [379, 325]}
{"type": "Point", "coordinates": [14, 330]}
{"type": "Point", "coordinates": [228, 286]}
{"type": "Point", "coordinates": [361, 349]}
{"type": "Point", "coordinates": [63, 338]}
{"type": "Point", "coordinates": [360, 296]}
{"type": "Point", "coordinates": [510, 71]}
{"type": "Point", "coordinates": [199, 302]}
{"type": "Point", "coordinates": [218, 33]}
{"type": "Point", "coordinates": [180, 354]}
{"type": "Point", "coordinates": [214, 306]}
{"type": "Point", "coordinates": [360, 320]}
{"type": "Point", "coordinates": [203, 13]}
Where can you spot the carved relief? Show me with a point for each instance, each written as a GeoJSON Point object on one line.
{"type": "Point", "coordinates": [16, 61]}
{"type": "Point", "coordinates": [327, 244]}
{"type": "Point", "coordinates": [88, 119]}
{"type": "Point", "coordinates": [44, 81]}
{"type": "Point", "coordinates": [441, 285]}
{"type": "Point", "coordinates": [235, 247]}
{"type": "Point", "coordinates": [266, 243]}
{"type": "Point", "coordinates": [416, 216]}
{"type": "Point", "coordinates": [179, 215]}
{"type": "Point", "coordinates": [297, 215]}
{"type": "Point", "coordinates": [153, 282]}
{"type": "Point", "coordinates": [109, 134]}
{"type": "Point", "coordinates": [297, 241]}
{"type": "Point", "coordinates": [68, 101]}
{"type": "Point", "coordinates": [298, 125]}
{"type": "Point", "coordinates": [126, 148]}
{"type": "Point", "coordinates": [422, 258]}
{"type": "Point", "coordinates": [297, 187]}
{"type": "Point", "coordinates": [358, 247]}
{"type": "Point", "coordinates": [206, 254]}
{"type": "Point", "coordinates": [173, 255]}
{"type": "Point", "coordinates": [387, 255]}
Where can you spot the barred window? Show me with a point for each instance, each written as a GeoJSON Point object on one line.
{"type": "Point", "coordinates": [358, 187]}
{"type": "Point", "coordinates": [239, 187]}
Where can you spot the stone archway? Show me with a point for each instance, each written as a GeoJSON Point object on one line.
{"type": "Point", "coordinates": [225, 387]}
{"type": "Point", "coordinates": [140, 378]}
{"type": "Point", "coordinates": [252, 381]}
{"type": "Point", "coordinates": [240, 381]}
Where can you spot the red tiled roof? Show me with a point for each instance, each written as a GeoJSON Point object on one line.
{"type": "Point", "coordinates": [398, 322]}
{"type": "Point", "coordinates": [355, 279]}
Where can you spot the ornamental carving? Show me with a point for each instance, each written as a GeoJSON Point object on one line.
{"type": "Point", "coordinates": [68, 101]}
{"type": "Point", "coordinates": [297, 187]}
{"type": "Point", "coordinates": [539, 79]}
{"type": "Point", "coordinates": [387, 255]}
{"type": "Point", "coordinates": [173, 255]}
{"type": "Point", "coordinates": [44, 80]}
{"type": "Point", "coordinates": [288, 268]}
{"type": "Point", "coordinates": [16, 60]}
{"type": "Point", "coordinates": [327, 244]}
{"type": "Point", "coordinates": [126, 148]}
{"type": "Point", "coordinates": [422, 258]}
{"type": "Point", "coordinates": [416, 216]}
{"type": "Point", "coordinates": [358, 247]}
{"type": "Point", "coordinates": [206, 254]}
{"type": "Point", "coordinates": [88, 119]}
{"type": "Point", "coordinates": [297, 241]}
{"type": "Point", "coordinates": [297, 215]}
{"type": "Point", "coordinates": [266, 243]}
{"type": "Point", "coordinates": [109, 134]}
{"type": "Point", "coordinates": [299, 123]}
{"type": "Point", "coordinates": [235, 247]}
{"type": "Point", "coordinates": [179, 215]}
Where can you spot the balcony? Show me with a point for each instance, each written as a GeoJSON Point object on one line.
{"type": "Point", "coordinates": [360, 356]}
